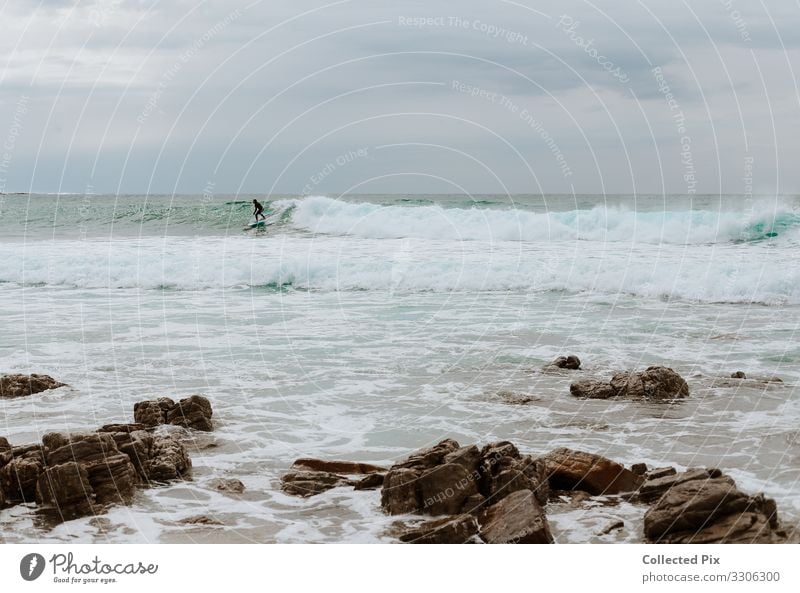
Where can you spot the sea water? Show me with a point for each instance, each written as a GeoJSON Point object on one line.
{"type": "Point", "coordinates": [364, 327]}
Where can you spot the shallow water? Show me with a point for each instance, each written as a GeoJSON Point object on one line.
{"type": "Point", "coordinates": [330, 336]}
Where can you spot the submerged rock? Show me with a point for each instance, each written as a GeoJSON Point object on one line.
{"type": "Point", "coordinates": [738, 375]}
{"type": "Point", "coordinates": [592, 389]}
{"type": "Point", "coordinates": [309, 483]}
{"type": "Point", "coordinates": [230, 485]}
{"type": "Point", "coordinates": [22, 385]}
{"type": "Point", "coordinates": [338, 467]}
{"type": "Point", "coordinates": [576, 470]}
{"type": "Point", "coordinates": [570, 362]}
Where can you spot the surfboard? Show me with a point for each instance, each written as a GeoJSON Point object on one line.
{"type": "Point", "coordinates": [257, 224]}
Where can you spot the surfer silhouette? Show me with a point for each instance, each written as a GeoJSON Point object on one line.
{"type": "Point", "coordinates": [258, 210]}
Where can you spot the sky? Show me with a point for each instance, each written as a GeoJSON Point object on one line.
{"type": "Point", "coordinates": [368, 96]}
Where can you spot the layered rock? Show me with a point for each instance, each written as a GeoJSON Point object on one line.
{"type": "Point", "coordinates": [576, 470]}
{"type": "Point", "coordinates": [517, 519]}
{"type": "Point", "coordinates": [19, 470]}
{"type": "Point", "coordinates": [711, 510]}
{"type": "Point", "coordinates": [339, 467]}
{"type": "Point", "coordinates": [449, 530]}
{"type": "Point", "coordinates": [654, 383]}
{"type": "Point", "coordinates": [308, 483]}
{"type": "Point", "coordinates": [192, 412]}
{"type": "Point", "coordinates": [22, 385]}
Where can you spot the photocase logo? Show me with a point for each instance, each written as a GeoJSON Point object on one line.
{"type": "Point", "coordinates": [31, 566]}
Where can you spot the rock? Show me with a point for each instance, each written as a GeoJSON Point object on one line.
{"type": "Point", "coordinates": [517, 518]}
{"type": "Point", "coordinates": [201, 520]}
{"type": "Point", "coordinates": [22, 385]}
{"type": "Point", "coordinates": [152, 412]}
{"type": "Point", "coordinates": [570, 362]}
{"type": "Point", "coordinates": [399, 493]}
{"type": "Point", "coordinates": [4, 445]}
{"type": "Point", "coordinates": [167, 459]}
{"type": "Point", "coordinates": [128, 428]}
{"type": "Point", "coordinates": [66, 488]}
{"type": "Point", "coordinates": [654, 383]}
{"type": "Point", "coordinates": [661, 472]}
{"type": "Point", "coordinates": [19, 471]}
{"type": "Point", "coordinates": [613, 526]}
{"type": "Point", "coordinates": [113, 479]}
{"type": "Point", "coordinates": [503, 470]}
{"type": "Point", "coordinates": [711, 511]}
{"type": "Point", "coordinates": [577, 470]}
{"type": "Point", "coordinates": [592, 389]}
{"type": "Point", "coordinates": [517, 399]}
{"type": "Point", "coordinates": [192, 412]}
{"type": "Point", "coordinates": [309, 483]}
{"type": "Point", "coordinates": [444, 488]}
{"type": "Point", "coordinates": [639, 469]}
{"type": "Point", "coordinates": [458, 530]}
{"type": "Point", "coordinates": [654, 487]}
{"type": "Point", "coordinates": [428, 457]}
{"type": "Point", "coordinates": [738, 375]}
{"type": "Point", "coordinates": [137, 445]}
{"type": "Point", "coordinates": [370, 482]}
{"type": "Point", "coordinates": [227, 485]}
{"type": "Point", "coordinates": [337, 467]}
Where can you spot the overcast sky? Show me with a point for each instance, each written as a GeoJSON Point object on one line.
{"type": "Point", "coordinates": [364, 96]}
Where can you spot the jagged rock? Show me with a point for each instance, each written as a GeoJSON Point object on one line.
{"type": "Point", "coordinates": [503, 470]}
{"type": "Point", "coordinates": [592, 389]}
{"type": "Point", "coordinates": [168, 459]}
{"type": "Point", "coordinates": [309, 483]}
{"type": "Point", "coordinates": [660, 472]}
{"type": "Point", "coordinates": [152, 412]}
{"type": "Point", "coordinates": [711, 511]}
{"type": "Point", "coordinates": [136, 444]}
{"type": "Point", "coordinates": [444, 488]}
{"type": "Point", "coordinates": [370, 482]}
{"type": "Point", "coordinates": [654, 383]}
{"type": "Point", "coordinates": [570, 362]}
{"type": "Point", "coordinates": [231, 485]}
{"type": "Point", "coordinates": [517, 518]}
{"type": "Point", "coordinates": [458, 530]}
{"type": "Point", "coordinates": [639, 469]}
{"type": "Point", "coordinates": [114, 479]}
{"type": "Point", "coordinates": [67, 489]}
{"type": "Point", "coordinates": [19, 470]}
{"type": "Point", "coordinates": [4, 444]}
{"type": "Point", "coordinates": [738, 375]}
{"type": "Point", "coordinates": [657, 484]}
{"type": "Point", "coordinates": [577, 470]}
{"type": "Point", "coordinates": [399, 493]}
{"type": "Point", "coordinates": [192, 412]}
{"type": "Point", "coordinates": [337, 467]}
{"type": "Point", "coordinates": [22, 385]}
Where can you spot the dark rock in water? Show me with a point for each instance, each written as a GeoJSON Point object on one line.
{"type": "Point", "coordinates": [639, 469]}
{"type": "Point", "coordinates": [592, 389]}
{"type": "Point", "coordinates": [19, 470]}
{"type": "Point", "coordinates": [337, 467]}
{"type": "Point", "coordinates": [370, 482]}
{"type": "Point", "coordinates": [738, 375]}
{"type": "Point", "coordinates": [613, 526]}
{"type": "Point", "coordinates": [657, 484]}
{"type": "Point", "coordinates": [444, 488]}
{"type": "Point", "coordinates": [152, 412]}
{"type": "Point", "coordinates": [517, 518]}
{"type": "Point", "coordinates": [504, 470]}
{"type": "Point", "coordinates": [570, 362]}
{"type": "Point", "coordinates": [309, 483]}
{"type": "Point", "coordinates": [4, 444]}
{"type": "Point", "coordinates": [121, 428]}
{"type": "Point", "coordinates": [711, 511]}
{"type": "Point", "coordinates": [457, 530]}
{"type": "Point", "coordinates": [192, 412]}
{"type": "Point", "coordinates": [66, 488]}
{"type": "Point", "coordinates": [517, 399]}
{"type": "Point", "coordinates": [227, 485]}
{"type": "Point", "coordinates": [168, 459]}
{"type": "Point", "coordinates": [201, 520]}
{"type": "Point", "coordinates": [576, 470]}
{"type": "Point", "coordinates": [654, 383]}
{"type": "Point", "coordinates": [22, 385]}
{"type": "Point", "coordinates": [399, 493]}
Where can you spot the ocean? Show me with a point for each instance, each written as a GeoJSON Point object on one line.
{"type": "Point", "coordinates": [364, 327]}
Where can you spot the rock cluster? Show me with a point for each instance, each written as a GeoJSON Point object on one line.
{"type": "Point", "coordinates": [78, 474]}
{"type": "Point", "coordinates": [654, 383]}
{"type": "Point", "coordinates": [192, 412]}
{"type": "Point", "coordinates": [22, 385]}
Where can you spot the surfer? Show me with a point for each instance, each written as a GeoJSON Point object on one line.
{"type": "Point", "coordinates": [258, 210]}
